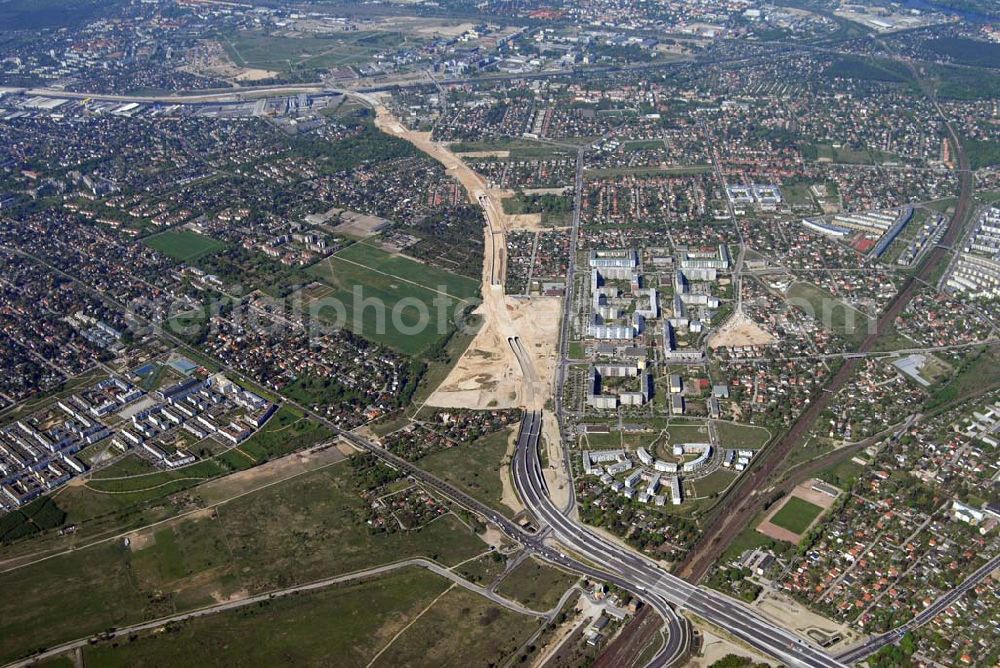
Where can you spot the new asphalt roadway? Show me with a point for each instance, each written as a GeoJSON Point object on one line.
{"type": "Point", "coordinates": [656, 586]}
{"type": "Point", "coordinates": [676, 631]}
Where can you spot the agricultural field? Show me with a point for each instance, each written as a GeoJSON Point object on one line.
{"type": "Point", "coordinates": [419, 300]}
{"type": "Point", "coordinates": [184, 245]}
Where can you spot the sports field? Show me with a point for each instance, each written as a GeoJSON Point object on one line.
{"type": "Point", "coordinates": [796, 515]}
{"type": "Point", "coordinates": [184, 245]}
{"type": "Point", "coordinates": [389, 299]}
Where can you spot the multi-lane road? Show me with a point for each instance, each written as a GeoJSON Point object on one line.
{"type": "Point", "coordinates": [655, 585]}
{"type": "Point", "coordinates": [562, 363]}
{"type": "Point", "coordinates": [623, 568]}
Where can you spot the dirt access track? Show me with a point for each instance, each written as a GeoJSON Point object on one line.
{"type": "Point", "coordinates": [511, 361]}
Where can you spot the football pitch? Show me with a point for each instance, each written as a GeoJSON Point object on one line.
{"type": "Point", "coordinates": [184, 245]}
{"type": "Point", "coordinates": [796, 515]}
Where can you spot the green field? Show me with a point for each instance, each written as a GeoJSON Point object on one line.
{"type": "Point", "coordinates": [82, 593]}
{"type": "Point", "coordinates": [190, 560]}
{"type": "Point", "coordinates": [184, 245]}
{"type": "Point", "coordinates": [520, 149]}
{"type": "Point", "coordinates": [553, 209]}
{"type": "Point", "coordinates": [832, 314]}
{"type": "Point", "coordinates": [643, 144]}
{"type": "Point", "coordinates": [103, 496]}
{"type": "Point", "coordinates": [474, 468]}
{"type": "Point", "coordinates": [980, 368]}
{"type": "Point", "coordinates": [796, 515]}
{"type": "Point", "coordinates": [441, 365]}
{"type": "Point", "coordinates": [343, 625]}
{"type": "Point", "coordinates": [287, 430]}
{"type": "Point", "coordinates": [681, 170]}
{"type": "Point", "coordinates": [129, 465]}
{"type": "Point", "coordinates": [714, 483]}
{"type": "Point", "coordinates": [274, 52]}
{"type": "Point", "coordinates": [536, 585]}
{"type": "Point", "coordinates": [314, 528]}
{"type": "Point", "coordinates": [292, 532]}
{"type": "Point", "coordinates": [798, 195]}
{"type": "Point", "coordinates": [982, 153]}
{"type": "Point", "coordinates": [459, 287]}
{"type": "Point", "coordinates": [748, 539]}
{"type": "Point", "coordinates": [419, 301]}
{"type": "Point", "coordinates": [460, 629]}
{"type": "Point", "coordinates": [742, 436]}
{"type": "Point", "coordinates": [841, 154]}
{"type": "Point", "coordinates": [483, 570]}
{"type": "Point", "coordinates": [841, 474]}
{"type": "Point", "coordinates": [687, 432]}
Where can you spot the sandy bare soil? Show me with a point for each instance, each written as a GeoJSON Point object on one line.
{"type": "Point", "coordinates": [739, 330]}
{"type": "Point", "coordinates": [253, 74]}
{"type": "Point", "coordinates": [805, 492]}
{"type": "Point", "coordinates": [140, 540]}
{"type": "Point", "coordinates": [419, 25]}
{"type": "Point", "coordinates": [715, 647]}
{"type": "Point", "coordinates": [359, 225]}
{"type": "Point", "coordinates": [489, 374]}
{"type": "Point", "coordinates": [485, 154]}
{"type": "Point", "coordinates": [791, 615]}
{"type": "Point", "coordinates": [555, 473]}
{"type": "Point", "coordinates": [516, 221]}
{"type": "Point", "coordinates": [493, 536]}
{"type": "Point", "coordinates": [347, 449]}
{"type": "Point", "coordinates": [526, 221]}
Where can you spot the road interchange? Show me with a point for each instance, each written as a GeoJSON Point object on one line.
{"type": "Point", "coordinates": [655, 585]}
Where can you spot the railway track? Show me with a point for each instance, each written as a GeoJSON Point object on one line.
{"type": "Point", "coordinates": [745, 499]}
